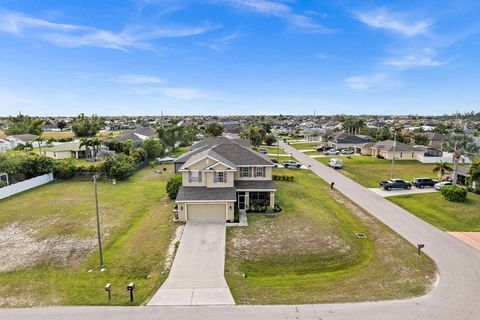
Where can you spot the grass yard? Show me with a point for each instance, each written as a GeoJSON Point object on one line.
{"type": "Point", "coordinates": [178, 152]}
{"type": "Point", "coordinates": [313, 153]}
{"type": "Point", "coordinates": [306, 145]}
{"type": "Point", "coordinates": [445, 215]}
{"type": "Point", "coordinates": [272, 149]}
{"type": "Point", "coordinates": [369, 171]}
{"type": "Point", "coordinates": [309, 252]}
{"type": "Point", "coordinates": [48, 242]}
{"type": "Point", "coordinates": [283, 158]}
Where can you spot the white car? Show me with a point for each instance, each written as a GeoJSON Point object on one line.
{"type": "Point", "coordinates": [440, 185]}
{"type": "Point", "coordinates": [335, 163]}
{"type": "Point", "coordinates": [332, 152]}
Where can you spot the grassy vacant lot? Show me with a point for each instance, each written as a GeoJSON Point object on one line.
{"type": "Point", "coordinates": [58, 134]}
{"type": "Point", "coordinates": [369, 171]}
{"type": "Point", "coordinates": [448, 216]}
{"type": "Point", "coordinates": [48, 242]}
{"type": "Point", "coordinates": [306, 145]}
{"type": "Point", "coordinates": [309, 253]}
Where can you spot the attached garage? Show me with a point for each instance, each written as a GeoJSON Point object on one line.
{"type": "Point", "coordinates": [206, 211]}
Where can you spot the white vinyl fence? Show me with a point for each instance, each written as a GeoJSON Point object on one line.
{"type": "Point", "coordinates": [25, 185]}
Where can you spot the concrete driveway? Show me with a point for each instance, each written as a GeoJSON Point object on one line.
{"type": "Point", "coordinates": [401, 192]}
{"type": "Point", "coordinates": [197, 274]}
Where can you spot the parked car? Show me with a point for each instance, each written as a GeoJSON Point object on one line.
{"type": "Point", "coordinates": [423, 182]}
{"type": "Point", "coordinates": [440, 185]}
{"type": "Point", "coordinates": [291, 164]}
{"type": "Point", "coordinates": [395, 184]}
{"type": "Point", "coordinates": [332, 152]}
{"type": "Point", "coordinates": [275, 162]}
{"type": "Point", "coordinates": [322, 148]}
{"type": "Point", "coordinates": [263, 151]}
{"type": "Point", "coordinates": [347, 151]}
{"type": "Point", "coordinates": [335, 163]}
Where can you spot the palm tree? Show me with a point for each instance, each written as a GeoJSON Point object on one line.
{"type": "Point", "coordinates": [441, 168]}
{"type": "Point", "coordinates": [39, 139]}
{"type": "Point", "coordinates": [460, 145]}
{"type": "Point", "coordinates": [95, 143]}
{"type": "Point", "coordinates": [87, 143]}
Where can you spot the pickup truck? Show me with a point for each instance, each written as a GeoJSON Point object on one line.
{"type": "Point", "coordinates": [423, 182]}
{"type": "Point", "coordinates": [291, 164]}
{"type": "Point", "coordinates": [395, 184]}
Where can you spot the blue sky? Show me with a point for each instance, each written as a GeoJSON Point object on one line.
{"type": "Point", "coordinates": [138, 57]}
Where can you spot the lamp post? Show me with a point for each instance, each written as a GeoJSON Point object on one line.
{"type": "Point", "coordinates": [98, 222]}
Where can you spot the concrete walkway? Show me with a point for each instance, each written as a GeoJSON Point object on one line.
{"type": "Point", "coordinates": [196, 277]}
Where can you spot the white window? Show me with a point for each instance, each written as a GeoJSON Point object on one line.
{"type": "Point", "coordinates": [244, 172]}
{"type": "Point", "coordinates": [195, 176]}
{"type": "Point", "coordinates": [259, 171]}
{"type": "Point", "coordinates": [220, 176]}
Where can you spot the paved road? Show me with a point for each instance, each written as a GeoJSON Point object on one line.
{"type": "Point", "coordinates": [196, 277]}
{"type": "Point", "coordinates": [456, 297]}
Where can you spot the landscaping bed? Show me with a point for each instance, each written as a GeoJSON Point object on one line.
{"type": "Point", "coordinates": [48, 242]}
{"type": "Point", "coordinates": [309, 253]}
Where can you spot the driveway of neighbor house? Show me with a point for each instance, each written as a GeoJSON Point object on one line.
{"type": "Point", "coordinates": [197, 274]}
{"type": "Point", "coordinates": [400, 192]}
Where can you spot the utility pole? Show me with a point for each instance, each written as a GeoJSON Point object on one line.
{"type": "Point", "coordinates": [98, 222]}
{"type": "Point", "coordinates": [455, 164]}
{"type": "Point", "coordinates": [394, 151]}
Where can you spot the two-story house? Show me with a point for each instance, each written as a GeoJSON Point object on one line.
{"type": "Point", "coordinates": [219, 175]}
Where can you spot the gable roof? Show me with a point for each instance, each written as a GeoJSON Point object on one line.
{"type": "Point", "coordinates": [210, 153]}
{"type": "Point", "coordinates": [70, 146]}
{"type": "Point", "coordinates": [343, 137]}
{"type": "Point", "coordinates": [145, 131]}
{"type": "Point", "coordinates": [221, 140]}
{"type": "Point", "coordinates": [27, 137]}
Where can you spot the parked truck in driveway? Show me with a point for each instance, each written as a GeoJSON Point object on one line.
{"type": "Point", "coordinates": [291, 164]}
{"type": "Point", "coordinates": [395, 184]}
{"type": "Point", "coordinates": [423, 182]}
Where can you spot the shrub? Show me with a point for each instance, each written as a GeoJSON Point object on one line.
{"type": "Point", "coordinates": [283, 177]}
{"type": "Point", "coordinates": [119, 167]}
{"type": "Point", "coordinates": [173, 185]}
{"type": "Point", "coordinates": [454, 193]}
{"type": "Point", "coordinates": [65, 170]}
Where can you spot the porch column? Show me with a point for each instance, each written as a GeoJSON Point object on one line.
{"type": "Point", "coordinates": [247, 199]}
{"type": "Point", "coordinates": [272, 198]}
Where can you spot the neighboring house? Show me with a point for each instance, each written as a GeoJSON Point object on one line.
{"type": "Point", "coordinates": [67, 150]}
{"type": "Point", "coordinates": [435, 139]}
{"type": "Point", "coordinates": [18, 139]}
{"type": "Point", "coordinates": [389, 149]}
{"type": "Point", "coordinates": [220, 175]}
{"type": "Point", "coordinates": [342, 140]}
{"type": "Point", "coordinates": [312, 134]}
{"type": "Point", "coordinates": [4, 145]}
{"type": "Point", "coordinates": [138, 135]}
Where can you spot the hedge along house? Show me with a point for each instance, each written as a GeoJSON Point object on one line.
{"type": "Point", "coordinates": [220, 175]}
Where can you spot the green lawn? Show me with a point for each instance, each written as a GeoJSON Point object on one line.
{"type": "Point", "coordinates": [136, 220]}
{"type": "Point", "coordinates": [272, 149]}
{"type": "Point", "coordinates": [369, 171]}
{"type": "Point", "coordinates": [178, 152]}
{"type": "Point", "coordinates": [313, 153]}
{"type": "Point", "coordinates": [306, 145]}
{"type": "Point", "coordinates": [309, 252]}
{"type": "Point", "coordinates": [445, 215]}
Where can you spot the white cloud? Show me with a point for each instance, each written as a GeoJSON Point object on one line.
{"type": "Point", "coordinates": [138, 79]}
{"type": "Point", "coordinates": [372, 82]}
{"type": "Point", "coordinates": [68, 35]}
{"type": "Point", "coordinates": [393, 21]}
{"type": "Point", "coordinates": [425, 58]}
{"type": "Point", "coordinates": [220, 44]}
{"type": "Point", "coordinates": [282, 11]}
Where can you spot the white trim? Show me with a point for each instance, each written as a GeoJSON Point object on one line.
{"type": "Point", "coordinates": [257, 190]}
{"type": "Point", "coordinates": [205, 156]}
{"type": "Point", "coordinates": [203, 201]}
{"type": "Point", "coordinates": [256, 165]}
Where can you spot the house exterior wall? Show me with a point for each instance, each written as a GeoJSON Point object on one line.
{"type": "Point", "coordinates": [210, 180]}
{"type": "Point", "coordinates": [187, 183]}
{"type": "Point", "coordinates": [58, 154]}
{"type": "Point", "coordinates": [400, 155]}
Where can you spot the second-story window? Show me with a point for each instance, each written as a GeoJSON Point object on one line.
{"type": "Point", "coordinates": [244, 172]}
{"type": "Point", "coordinates": [194, 176]}
{"type": "Point", "coordinates": [259, 171]}
{"type": "Point", "coordinates": [220, 176]}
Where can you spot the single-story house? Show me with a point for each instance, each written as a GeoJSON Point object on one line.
{"type": "Point", "coordinates": [389, 149]}
{"type": "Point", "coordinates": [343, 140]}
{"type": "Point", "coordinates": [67, 150]}
{"type": "Point", "coordinates": [18, 139]}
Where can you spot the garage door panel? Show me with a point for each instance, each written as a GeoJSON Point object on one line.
{"type": "Point", "coordinates": [206, 211]}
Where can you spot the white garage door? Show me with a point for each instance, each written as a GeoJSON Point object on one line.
{"type": "Point", "coordinates": [206, 211]}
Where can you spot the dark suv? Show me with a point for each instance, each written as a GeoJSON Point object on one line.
{"type": "Point", "coordinates": [423, 182]}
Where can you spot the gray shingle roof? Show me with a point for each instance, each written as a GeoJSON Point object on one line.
{"type": "Point", "coordinates": [27, 137]}
{"type": "Point", "coordinates": [220, 140]}
{"type": "Point", "coordinates": [388, 145]}
{"type": "Point", "coordinates": [210, 153]}
{"type": "Point", "coordinates": [255, 185]}
{"type": "Point", "coordinates": [204, 193]}
{"type": "Point", "coordinates": [241, 155]}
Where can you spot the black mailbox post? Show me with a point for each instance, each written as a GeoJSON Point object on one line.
{"type": "Point", "coordinates": [420, 247]}
{"type": "Point", "coordinates": [130, 288]}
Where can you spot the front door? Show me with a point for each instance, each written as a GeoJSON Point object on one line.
{"type": "Point", "coordinates": [241, 202]}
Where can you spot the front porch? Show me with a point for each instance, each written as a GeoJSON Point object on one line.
{"type": "Point", "coordinates": [246, 199]}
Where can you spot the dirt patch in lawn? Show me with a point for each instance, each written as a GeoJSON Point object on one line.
{"type": "Point", "coordinates": [20, 248]}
